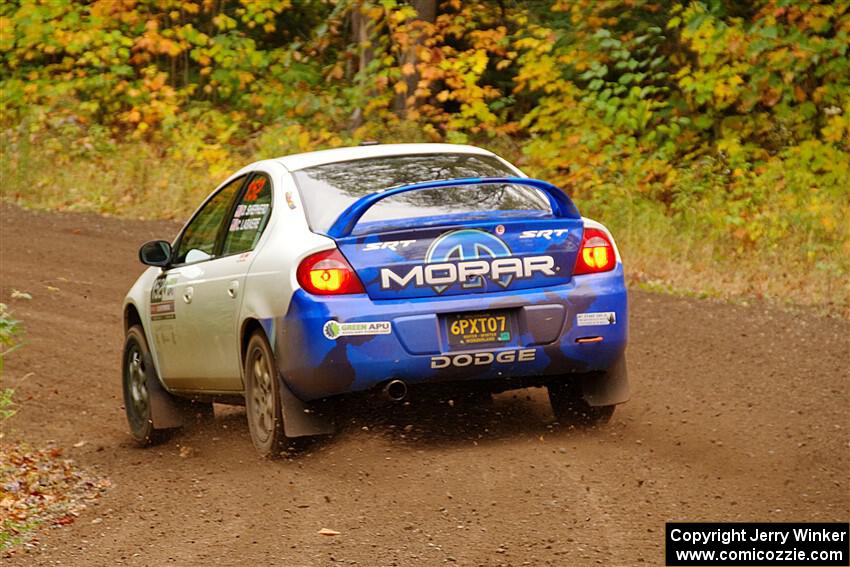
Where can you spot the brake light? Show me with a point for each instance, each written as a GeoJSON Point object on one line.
{"type": "Point", "coordinates": [328, 273]}
{"type": "Point", "coordinates": [596, 253]}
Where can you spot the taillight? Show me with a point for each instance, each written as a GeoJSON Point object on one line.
{"type": "Point", "coordinates": [596, 253]}
{"type": "Point", "coordinates": [328, 273]}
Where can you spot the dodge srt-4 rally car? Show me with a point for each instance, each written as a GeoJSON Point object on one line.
{"type": "Point", "coordinates": [386, 268]}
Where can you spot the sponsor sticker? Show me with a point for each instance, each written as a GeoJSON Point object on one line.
{"type": "Point", "coordinates": [595, 319]}
{"type": "Point", "coordinates": [162, 311]}
{"type": "Point", "coordinates": [163, 288]}
{"type": "Point", "coordinates": [334, 329]}
{"type": "Point", "coordinates": [289, 200]}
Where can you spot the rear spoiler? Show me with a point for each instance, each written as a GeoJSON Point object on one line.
{"type": "Point", "coordinates": [562, 206]}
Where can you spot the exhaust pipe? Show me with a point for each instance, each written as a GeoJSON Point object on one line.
{"type": "Point", "coordinates": [395, 390]}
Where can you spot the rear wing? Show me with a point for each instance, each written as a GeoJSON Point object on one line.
{"type": "Point", "coordinates": [562, 206]}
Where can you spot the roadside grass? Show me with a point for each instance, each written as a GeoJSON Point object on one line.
{"type": "Point", "coordinates": [668, 255]}
{"type": "Point", "coordinates": [13, 532]}
{"type": "Point", "coordinates": [674, 253]}
{"type": "Point", "coordinates": [10, 340]}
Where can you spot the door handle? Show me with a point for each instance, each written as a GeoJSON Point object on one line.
{"type": "Point", "coordinates": [187, 295]}
{"type": "Point", "coordinates": [233, 289]}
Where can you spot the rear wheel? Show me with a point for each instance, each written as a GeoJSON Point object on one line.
{"type": "Point", "coordinates": [262, 398]}
{"type": "Point", "coordinates": [570, 408]}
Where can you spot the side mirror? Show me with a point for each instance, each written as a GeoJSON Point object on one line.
{"type": "Point", "coordinates": [155, 253]}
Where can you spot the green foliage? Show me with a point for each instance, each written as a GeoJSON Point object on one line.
{"type": "Point", "coordinates": [725, 120]}
{"type": "Point", "coordinates": [10, 332]}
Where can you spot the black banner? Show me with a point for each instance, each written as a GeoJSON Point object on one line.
{"type": "Point", "coordinates": [763, 544]}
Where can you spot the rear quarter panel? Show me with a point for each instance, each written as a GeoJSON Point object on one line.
{"type": "Point", "coordinates": [271, 279]}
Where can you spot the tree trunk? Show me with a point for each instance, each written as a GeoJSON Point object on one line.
{"type": "Point", "coordinates": [426, 11]}
{"type": "Point", "coordinates": [361, 32]}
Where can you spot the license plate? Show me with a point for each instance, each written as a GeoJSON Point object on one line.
{"type": "Point", "coordinates": [475, 329]}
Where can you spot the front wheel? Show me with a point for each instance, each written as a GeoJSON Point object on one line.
{"type": "Point", "coordinates": [262, 398]}
{"type": "Point", "coordinates": [137, 398]}
{"type": "Point", "coordinates": [570, 408]}
{"type": "Point", "coordinates": [143, 393]}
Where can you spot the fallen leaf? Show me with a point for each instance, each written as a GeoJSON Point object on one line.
{"type": "Point", "coordinates": [79, 444]}
{"type": "Point", "coordinates": [17, 294]}
{"type": "Point", "coordinates": [328, 532]}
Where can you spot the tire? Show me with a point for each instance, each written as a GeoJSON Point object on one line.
{"type": "Point", "coordinates": [262, 398]}
{"type": "Point", "coordinates": [134, 373]}
{"type": "Point", "coordinates": [570, 408]}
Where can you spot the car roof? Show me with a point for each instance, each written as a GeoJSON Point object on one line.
{"type": "Point", "coordinates": [309, 159]}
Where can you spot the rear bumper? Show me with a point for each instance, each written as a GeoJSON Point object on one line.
{"type": "Point", "coordinates": [414, 348]}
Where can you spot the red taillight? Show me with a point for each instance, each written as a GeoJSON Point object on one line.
{"type": "Point", "coordinates": [328, 273]}
{"type": "Point", "coordinates": [596, 253]}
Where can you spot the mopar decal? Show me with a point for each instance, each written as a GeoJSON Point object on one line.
{"type": "Point", "coordinates": [483, 358]}
{"type": "Point", "coordinates": [333, 329]}
{"type": "Point", "coordinates": [467, 257]}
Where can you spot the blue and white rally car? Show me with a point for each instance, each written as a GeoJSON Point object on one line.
{"type": "Point", "coordinates": [381, 268]}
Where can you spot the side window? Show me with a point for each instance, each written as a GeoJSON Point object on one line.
{"type": "Point", "coordinates": [250, 217]}
{"type": "Point", "coordinates": [198, 240]}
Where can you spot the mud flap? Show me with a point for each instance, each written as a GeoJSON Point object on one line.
{"type": "Point", "coordinates": [301, 419]}
{"type": "Point", "coordinates": [165, 413]}
{"type": "Point", "coordinates": [609, 388]}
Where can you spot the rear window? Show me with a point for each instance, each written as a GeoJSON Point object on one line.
{"type": "Point", "coordinates": [328, 189]}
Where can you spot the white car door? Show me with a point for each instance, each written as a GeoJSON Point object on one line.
{"type": "Point", "coordinates": [212, 326]}
{"type": "Point", "coordinates": [179, 300]}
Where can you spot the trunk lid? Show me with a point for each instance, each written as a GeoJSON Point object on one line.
{"type": "Point", "coordinates": [460, 259]}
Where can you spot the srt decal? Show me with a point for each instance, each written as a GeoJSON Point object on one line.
{"type": "Point", "coordinates": [547, 234]}
{"type": "Point", "coordinates": [388, 245]}
{"type": "Point", "coordinates": [333, 329]}
{"type": "Point", "coordinates": [483, 358]}
{"type": "Point", "coordinates": [468, 256]}
{"type": "Point", "coordinates": [594, 319]}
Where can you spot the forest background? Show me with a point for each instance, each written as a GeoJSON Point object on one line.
{"type": "Point", "coordinates": [712, 137]}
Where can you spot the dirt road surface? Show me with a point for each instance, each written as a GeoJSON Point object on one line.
{"type": "Point", "coordinates": [737, 413]}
